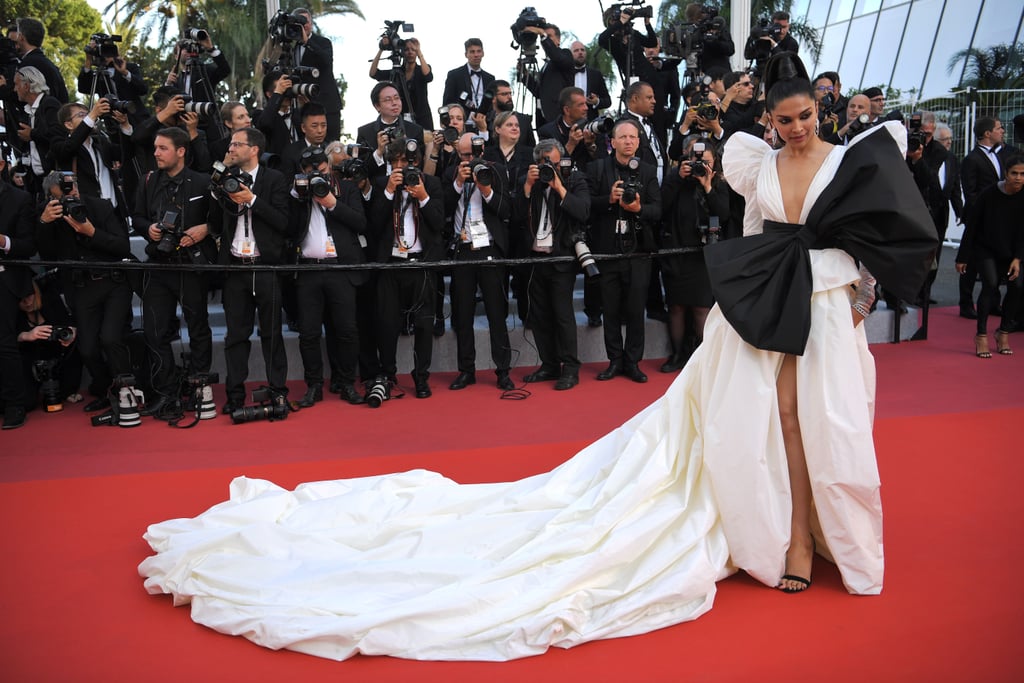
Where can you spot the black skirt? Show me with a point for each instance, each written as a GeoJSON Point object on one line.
{"type": "Point", "coordinates": [686, 280]}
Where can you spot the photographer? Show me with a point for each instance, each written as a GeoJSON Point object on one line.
{"type": "Point", "coordinates": [41, 128]}
{"type": "Point", "coordinates": [317, 52]}
{"type": "Point", "coordinates": [640, 108]}
{"type": "Point", "coordinates": [417, 75]}
{"type": "Point", "coordinates": [702, 118]}
{"type": "Point", "coordinates": [235, 117]}
{"type": "Point", "coordinates": [626, 44]}
{"type": "Point", "coordinates": [470, 85]}
{"type": "Point", "coordinates": [556, 73]}
{"type": "Point", "coordinates": [50, 362]}
{"type": "Point", "coordinates": [831, 106]}
{"type": "Point", "coordinates": [479, 207]}
{"type": "Point", "coordinates": [625, 204]}
{"type": "Point", "coordinates": [29, 41]}
{"type": "Point", "coordinates": [329, 227]}
{"type": "Point", "coordinates": [389, 126]}
{"type": "Point", "coordinates": [171, 111]}
{"type": "Point", "coordinates": [770, 38]}
{"type": "Point", "coordinates": [279, 120]}
{"type": "Point", "coordinates": [858, 105]}
{"type": "Point", "coordinates": [556, 211]}
{"type": "Point", "coordinates": [440, 152]}
{"type": "Point", "coordinates": [192, 73]}
{"type": "Point", "coordinates": [75, 227]}
{"type": "Point", "coordinates": [502, 103]}
{"type": "Point", "coordinates": [696, 213]}
{"type": "Point", "coordinates": [93, 157]}
{"type": "Point", "coordinates": [582, 146]}
{"type": "Point", "coordinates": [252, 224]}
{"type": "Point", "coordinates": [313, 127]}
{"type": "Point", "coordinates": [171, 212]}
{"type": "Point", "coordinates": [666, 90]}
{"type": "Point", "coordinates": [740, 111]}
{"type": "Point", "coordinates": [107, 74]}
{"type": "Point", "coordinates": [16, 242]}
{"type": "Point", "coordinates": [589, 80]}
{"type": "Point", "coordinates": [718, 46]}
{"type": "Point", "coordinates": [408, 210]}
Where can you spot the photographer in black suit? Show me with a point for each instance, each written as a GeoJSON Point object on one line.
{"type": "Point", "coordinates": [408, 210]}
{"type": "Point", "coordinates": [469, 84]}
{"type": "Point", "coordinates": [626, 203]}
{"type": "Point", "coordinates": [583, 146]}
{"type": "Point", "coordinates": [318, 52]}
{"type": "Point", "coordinates": [252, 225]}
{"type": "Point", "coordinates": [556, 213]}
{"type": "Point", "coordinates": [479, 207]}
{"type": "Point", "coordinates": [100, 299]}
{"type": "Point", "coordinates": [198, 69]}
{"type": "Point", "coordinates": [279, 120]}
{"type": "Point", "coordinates": [389, 126]}
{"type": "Point", "coordinates": [112, 75]}
{"type": "Point", "coordinates": [169, 110]}
{"type": "Point", "coordinates": [589, 80]}
{"type": "Point", "coordinates": [556, 73]}
{"type": "Point", "coordinates": [29, 41]}
{"type": "Point", "coordinates": [16, 242]}
{"type": "Point", "coordinates": [171, 212]}
{"type": "Point", "coordinates": [92, 156]}
{"type": "Point", "coordinates": [328, 228]}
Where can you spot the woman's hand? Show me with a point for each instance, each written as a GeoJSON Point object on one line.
{"type": "Point", "coordinates": [1014, 270]}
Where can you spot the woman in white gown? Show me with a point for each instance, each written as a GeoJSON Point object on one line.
{"type": "Point", "coordinates": [632, 533]}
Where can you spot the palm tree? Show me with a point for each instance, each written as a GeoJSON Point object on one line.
{"type": "Point", "coordinates": [991, 68]}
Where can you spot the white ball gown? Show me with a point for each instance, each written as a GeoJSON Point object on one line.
{"type": "Point", "coordinates": [628, 536]}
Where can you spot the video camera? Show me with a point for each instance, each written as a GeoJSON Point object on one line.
{"type": "Point", "coordinates": [285, 28]}
{"type": "Point", "coordinates": [524, 40]}
{"type": "Point", "coordinates": [105, 47]}
{"type": "Point", "coordinates": [635, 9]}
{"type": "Point", "coordinates": [682, 41]}
{"type": "Point", "coordinates": [758, 49]}
{"type": "Point", "coordinates": [393, 42]}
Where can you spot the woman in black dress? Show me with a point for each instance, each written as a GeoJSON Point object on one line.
{"type": "Point", "coordinates": [417, 74]}
{"type": "Point", "coordinates": [696, 210]}
{"type": "Point", "coordinates": [994, 242]}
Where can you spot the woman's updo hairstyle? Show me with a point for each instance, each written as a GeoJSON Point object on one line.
{"type": "Point", "coordinates": [784, 77]}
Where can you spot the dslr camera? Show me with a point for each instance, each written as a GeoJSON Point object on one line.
{"type": "Point", "coordinates": [602, 125]}
{"type": "Point", "coordinates": [698, 169]}
{"type": "Point", "coordinates": [203, 109]}
{"type": "Point", "coordinates": [228, 179]}
{"type": "Point", "coordinates": [71, 206]}
{"type": "Point", "coordinates": [449, 132]}
{"type": "Point", "coordinates": [547, 169]}
{"type": "Point", "coordinates": [631, 186]}
{"type": "Point", "coordinates": [45, 372]}
{"type": "Point", "coordinates": [353, 169]}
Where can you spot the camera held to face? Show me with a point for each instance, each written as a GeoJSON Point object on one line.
{"type": "Point", "coordinates": [228, 179]}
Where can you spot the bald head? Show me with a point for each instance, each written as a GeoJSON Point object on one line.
{"type": "Point", "coordinates": [858, 104]}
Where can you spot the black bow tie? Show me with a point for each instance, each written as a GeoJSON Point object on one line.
{"type": "Point", "coordinates": [474, 72]}
{"type": "Point", "coordinates": [581, 69]}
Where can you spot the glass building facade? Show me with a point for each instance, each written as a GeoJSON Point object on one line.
{"type": "Point", "coordinates": [905, 44]}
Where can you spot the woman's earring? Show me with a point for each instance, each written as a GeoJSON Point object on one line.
{"type": "Point", "coordinates": [775, 138]}
{"type": "Point", "coordinates": [817, 127]}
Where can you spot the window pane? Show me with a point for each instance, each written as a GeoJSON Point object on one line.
{"type": "Point", "coordinates": [997, 24]}
{"type": "Point", "coordinates": [865, 6]}
{"type": "Point", "coordinates": [815, 14]}
{"type": "Point", "coordinates": [958, 22]}
{"type": "Point", "coordinates": [832, 48]}
{"type": "Point", "coordinates": [893, 3]}
{"type": "Point", "coordinates": [917, 44]}
{"type": "Point", "coordinates": [841, 10]}
{"type": "Point", "coordinates": [857, 43]}
{"type": "Point", "coordinates": [885, 45]}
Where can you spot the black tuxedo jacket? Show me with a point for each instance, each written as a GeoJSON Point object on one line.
{"type": "Point", "coordinates": [497, 212]}
{"type": "Point", "coordinates": [197, 157]}
{"type": "Point", "coordinates": [46, 129]}
{"type": "Point", "coordinates": [597, 86]}
{"type": "Point", "coordinates": [568, 217]}
{"type": "Point", "coordinates": [458, 81]}
{"type": "Point", "coordinates": [16, 222]}
{"type": "Point", "coordinates": [601, 175]}
{"type": "Point", "coordinates": [51, 73]}
{"type": "Point", "coordinates": [555, 75]}
{"type": "Point", "coordinates": [204, 81]}
{"type": "Point", "coordinates": [346, 221]}
{"type": "Point", "coordinates": [193, 204]}
{"type": "Point", "coordinates": [431, 217]}
{"type": "Point", "coordinates": [646, 151]}
{"type": "Point", "coordinates": [273, 125]}
{"type": "Point", "coordinates": [58, 240]}
{"type": "Point", "coordinates": [70, 154]}
{"type": "Point", "coordinates": [582, 155]}
{"type": "Point", "coordinates": [269, 224]}
{"type": "Point", "coordinates": [319, 53]}
{"type": "Point", "coordinates": [133, 90]}
{"type": "Point", "coordinates": [976, 174]}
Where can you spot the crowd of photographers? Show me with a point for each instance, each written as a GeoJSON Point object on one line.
{"type": "Point", "coordinates": [204, 182]}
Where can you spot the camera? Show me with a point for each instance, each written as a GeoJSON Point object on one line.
{"type": "Point", "coordinates": [197, 34]}
{"type": "Point", "coordinates": [526, 39]}
{"type": "Point", "coordinates": [631, 186]}
{"type": "Point", "coordinates": [286, 28]}
{"type": "Point", "coordinates": [228, 179]}
{"type": "Point", "coordinates": [380, 391]}
{"type": "Point", "coordinates": [170, 233]}
{"type": "Point", "coordinates": [105, 47]}
{"type": "Point", "coordinates": [859, 125]}
{"type": "Point", "coordinates": [123, 106]}
{"type": "Point", "coordinates": [584, 257]}
{"type": "Point", "coordinates": [205, 110]}
{"type": "Point", "coordinates": [547, 169]}
{"type": "Point", "coordinates": [271, 406]}
{"type": "Point", "coordinates": [389, 40]}
{"type": "Point", "coordinates": [74, 208]}
{"type": "Point", "coordinates": [827, 106]}
{"type": "Point", "coordinates": [483, 172]}
{"type": "Point", "coordinates": [312, 184]}
{"type": "Point", "coordinates": [698, 169]}
{"type": "Point", "coordinates": [124, 409]}
{"type": "Point", "coordinates": [602, 125]}
{"type": "Point", "coordinates": [200, 393]}
{"type": "Point", "coordinates": [312, 157]}
{"type": "Point", "coordinates": [915, 138]}
{"type": "Point", "coordinates": [353, 169]}
{"type": "Point", "coordinates": [44, 372]}
{"type": "Point", "coordinates": [635, 9]}
{"type": "Point", "coordinates": [411, 176]}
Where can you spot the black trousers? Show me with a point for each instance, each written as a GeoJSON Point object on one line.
{"type": "Point", "coordinates": [400, 292]}
{"type": "Point", "coordinates": [552, 318]}
{"type": "Point", "coordinates": [245, 295]}
{"type": "Point", "coordinates": [991, 271]}
{"type": "Point", "coordinates": [12, 378]}
{"type": "Point", "coordinates": [624, 289]}
{"type": "Point", "coordinates": [366, 323]}
{"type": "Point", "coordinates": [330, 295]}
{"type": "Point", "coordinates": [162, 291]}
{"type": "Point", "coordinates": [492, 281]}
{"type": "Point", "coordinates": [103, 311]}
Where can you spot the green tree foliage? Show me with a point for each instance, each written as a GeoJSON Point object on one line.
{"type": "Point", "coordinates": [69, 23]}
{"type": "Point", "coordinates": [990, 68]}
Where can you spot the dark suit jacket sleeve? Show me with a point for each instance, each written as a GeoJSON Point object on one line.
{"type": "Point", "coordinates": [577, 200]}
{"type": "Point", "coordinates": [111, 236]}
{"type": "Point", "coordinates": [596, 84]}
{"type": "Point", "coordinates": [348, 212]}
{"type": "Point", "coordinates": [47, 129]}
{"type": "Point", "coordinates": [272, 202]}
{"type": "Point", "coordinates": [16, 222]}
{"type": "Point", "coordinates": [221, 69]}
{"type": "Point", "coordinates": [453, 85]}
{"type": "Point", "coordinates": [969, 173]}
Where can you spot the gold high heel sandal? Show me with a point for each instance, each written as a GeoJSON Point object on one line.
{"type": "Point", "coordinates": [1003, 343]}
{"type": "Point", "coordinates": [981, 346]}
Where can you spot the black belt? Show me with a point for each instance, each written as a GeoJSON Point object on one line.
{"type": "Point", "coordinates": [246, 260]}
{"type": "Point", "coordinates": [304, 260]}
{"type": "Point", "coordinates": [410, 259]}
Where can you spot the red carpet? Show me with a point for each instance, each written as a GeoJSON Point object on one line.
{"type": "Point", "coordinates": [75, 501]}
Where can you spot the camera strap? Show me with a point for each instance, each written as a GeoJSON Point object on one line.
{"type": "Point", "coordinates": [403, 204]}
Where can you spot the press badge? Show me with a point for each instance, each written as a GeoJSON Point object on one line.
{"type": "Point", "coordinates": [247, 247]}
{"type": "Point", "coordinates": [362, 240]}
{"type": "Point", "coordinates": [478, 234]}
{"type": "Point", "coordinates": [622, 226]}
{"type": "Point", "coordinates": [329, 248]}
{"type": "Point", "coordinates": [398, 251]}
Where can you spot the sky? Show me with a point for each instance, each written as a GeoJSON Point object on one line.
{"type": "Point", "coordinates": [441, 38]}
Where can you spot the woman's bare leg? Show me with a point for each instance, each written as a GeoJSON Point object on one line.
{"type": "Point", "coordinates": [800, 555]}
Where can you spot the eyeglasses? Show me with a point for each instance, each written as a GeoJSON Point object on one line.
{"type": "Point", "coordinates": [746, 83]}
{"type": "Point", "coordinates": [389, 100]}
{"type": "Point", "coordinates": [238, 144]}
{"type": "Point", "coordinates": [825, 88]}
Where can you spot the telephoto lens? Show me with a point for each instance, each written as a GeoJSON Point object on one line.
{"type": "Point", "coordinates": [379, 392]}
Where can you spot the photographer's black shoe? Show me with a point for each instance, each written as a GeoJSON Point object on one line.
{"type": "Point", "coordinates": [231, 406]}
{"type": "Point", "coordinates": [462, 381]}
{"type": "Point", "coordinates": [634, 373]}
{"type": "Point", "coordinates": [613, 370]}
{"type": "Point", "coordinates": [567, 381]}
{"type": "Point", "coordinates": [97, 404]}
{"type": "Point", "coordinates": [423, 389]}
{"type": "Point", "coordinates": [14, 417]}
{"type": "Point", "coordinates": [505, 382]}
{"type": "Point", "coordinates": [348, 393]}
{"type": "Point", "coordinates": [314, 394]}
{"type": "Point", "coordinates": [542, 374]}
